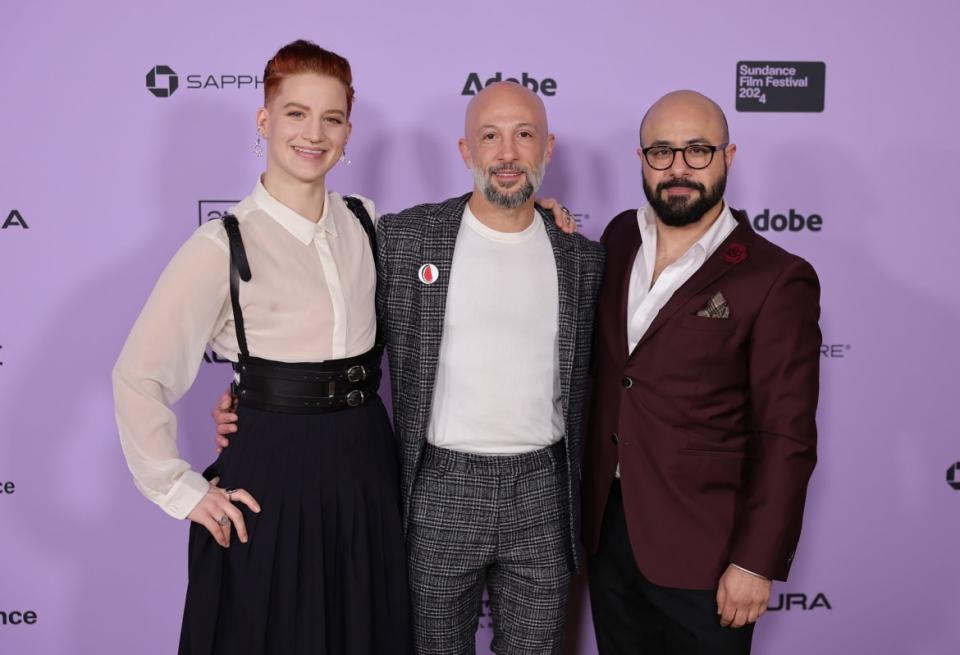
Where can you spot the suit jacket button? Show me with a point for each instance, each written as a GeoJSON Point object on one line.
{"type": "Point", "coordinates": [626, 382]}
{"type": "Point", "coordinates": [615, 437]}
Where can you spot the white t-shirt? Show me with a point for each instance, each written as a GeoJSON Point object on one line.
{"type": "Point", "coordinates": [498, 381]}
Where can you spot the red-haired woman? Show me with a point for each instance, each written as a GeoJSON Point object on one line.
{"type": "Point", "coordinates": [284, 286]}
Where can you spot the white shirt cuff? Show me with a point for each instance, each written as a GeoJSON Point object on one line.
{"type": "Point", "coordinates": [763, 577]}
{"type": "Point", "coordinates": [187, 492]}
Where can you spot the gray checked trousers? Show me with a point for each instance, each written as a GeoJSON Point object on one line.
{"type": "Point", "coordinates": [499, 520]}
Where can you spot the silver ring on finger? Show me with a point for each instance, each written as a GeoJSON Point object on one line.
{"type": "Point", "coordinates": [224, 520]}
{"type": "Point", "coordinates": [566, 211]}
{"type": "Point", "coordinates": [230, 492]}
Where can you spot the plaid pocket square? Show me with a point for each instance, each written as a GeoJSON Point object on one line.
{"type": "Point", "coordinates": [716, 308]}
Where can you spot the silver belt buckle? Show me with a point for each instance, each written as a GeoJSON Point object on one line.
{"type": "Point", "coordinates": [356, 373]}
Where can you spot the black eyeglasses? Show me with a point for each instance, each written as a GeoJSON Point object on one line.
{"type": "Point", "coordinates": [697, 155]}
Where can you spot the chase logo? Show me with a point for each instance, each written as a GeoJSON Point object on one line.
{"type": "Point", "coordinates": [162, 81]}
{"type": "Point", "coordinates": [953, 476]}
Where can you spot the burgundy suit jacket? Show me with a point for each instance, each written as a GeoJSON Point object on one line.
{"type": "Point", "coordinates": [711, 419]}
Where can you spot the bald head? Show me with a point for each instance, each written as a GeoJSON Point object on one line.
{"type": "Point", "coordinates": [499, 99]}
{"type": "Point", "coordinates": [690, 109]}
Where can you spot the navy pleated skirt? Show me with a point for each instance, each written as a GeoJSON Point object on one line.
{"type": "Point", "coordinates": [323, 571]}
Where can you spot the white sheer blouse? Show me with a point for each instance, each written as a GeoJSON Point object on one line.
{"type": "Point", "coordinates": [310, 299]}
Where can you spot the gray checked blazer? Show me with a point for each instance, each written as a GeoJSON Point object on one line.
{"type": "Point", "coordinates": [412, 316]}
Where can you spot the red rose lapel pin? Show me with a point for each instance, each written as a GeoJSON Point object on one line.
{"type": "Point", "coordinates": [734, 252]}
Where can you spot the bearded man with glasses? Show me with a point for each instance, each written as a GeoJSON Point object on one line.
{"type": "Point", "coordinates": [701, 436]}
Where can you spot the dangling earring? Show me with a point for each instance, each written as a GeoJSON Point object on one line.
{"type": "Point", "coordinates": [343, 158]}
{"type": "Point", "coordinates": [258, 147]}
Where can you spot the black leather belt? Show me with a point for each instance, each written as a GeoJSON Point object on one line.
{"type": "Point", "coordinates": [308, 388]}
{"type": "Point", "coordinates": [299, 388]}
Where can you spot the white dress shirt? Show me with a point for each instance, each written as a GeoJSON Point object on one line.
{"type": "Point", "coordinates": [498, 375]}
{"type": "Point", "coordinates": [310, 299]}
{"type": "Point", "coordinates": [645, 301]}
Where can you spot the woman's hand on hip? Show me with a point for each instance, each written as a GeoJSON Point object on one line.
{"type": "Point", "coordinates": [217, 513]}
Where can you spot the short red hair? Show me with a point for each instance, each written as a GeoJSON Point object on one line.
{"type": "Point", "coordinates": [304, 56]}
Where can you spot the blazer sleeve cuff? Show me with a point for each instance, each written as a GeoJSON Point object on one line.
{"type": "Point", "coordinates": [763, 564]}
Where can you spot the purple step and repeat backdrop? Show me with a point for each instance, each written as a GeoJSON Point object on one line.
{"type": "Point", "coordinates": [125, 125]}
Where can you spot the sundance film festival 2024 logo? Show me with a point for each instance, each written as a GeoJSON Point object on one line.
{"type": "Point", "coordinates": [163, 81]}
{"type": "Point", "coordinates": [781, 86]}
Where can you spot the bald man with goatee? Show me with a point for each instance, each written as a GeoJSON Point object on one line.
{"type": "Point", "coordinates": [701, 436]}
{"type": "Point", "coordinates": [488, 309]}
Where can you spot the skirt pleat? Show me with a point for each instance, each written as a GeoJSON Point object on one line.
{"type": "Point", "coordinates": [323, 571]}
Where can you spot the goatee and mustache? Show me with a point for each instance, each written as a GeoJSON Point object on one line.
{"type": "Point", "coordinates": [509, 199]}
{"type": "Point", "coordinates": [678, 211]}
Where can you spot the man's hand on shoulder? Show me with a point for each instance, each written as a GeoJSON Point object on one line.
{"type": "Point", "coordinates": [561, 215]}
{"type": "Point", "coordinates": [742, 597]}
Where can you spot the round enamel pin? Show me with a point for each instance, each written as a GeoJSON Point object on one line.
{"type": "Point", "coordinates": [428, 274]}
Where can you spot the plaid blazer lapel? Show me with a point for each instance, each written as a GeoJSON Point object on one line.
{"type": "Point", "coordinates": [440, 239]}
{"type": "Point", "coordinates": [568, 290]}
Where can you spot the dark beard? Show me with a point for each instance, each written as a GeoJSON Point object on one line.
{"type": "Point", "coordinates": [679, 211]}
